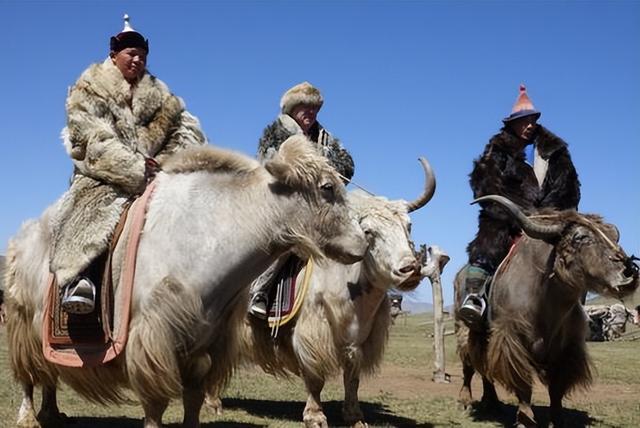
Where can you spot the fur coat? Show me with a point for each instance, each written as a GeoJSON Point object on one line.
{"type": "Point", "coordinates": [503, 170]}
{"type": "Point", "coordinates": [111, 127]}
{"type": "Point", "coordinates": [285, 126]}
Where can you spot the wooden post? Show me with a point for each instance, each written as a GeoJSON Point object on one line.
{"type": "Point", "coordinates": [435, 261]}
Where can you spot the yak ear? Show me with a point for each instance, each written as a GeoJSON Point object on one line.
{"type": "Point", "coordinates": [279, 169]}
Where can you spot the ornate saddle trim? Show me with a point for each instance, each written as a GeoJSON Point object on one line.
{"type": "Point", "coordinates": [94, 355]}
{"type": "Point", "coordinates": [275, 322]}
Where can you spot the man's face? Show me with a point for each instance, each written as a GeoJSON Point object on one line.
{"type": "Point", "coordinates": [305, 116]}
{"type": "Point", "coordinates": [131, 62]}
{"type": "Point", "coordinates": [524, 127]}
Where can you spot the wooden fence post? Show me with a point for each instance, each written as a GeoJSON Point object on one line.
{"type": "Point", "coordinates": [436, 259]}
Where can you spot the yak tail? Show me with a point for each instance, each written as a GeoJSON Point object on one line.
{"type": "Point", "coordinates": [160, 340]}
{"type": "Point", "coordinates": [25, 349]}
{"type": "Point", "coordinates": [373, 348]}
{"type": "Point", "coordinates": [508, 360]}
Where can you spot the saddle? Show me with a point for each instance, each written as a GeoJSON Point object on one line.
{"type": "Point", "coordinates": [93, 339]}
{"type": "Point", "coordinates": [287, 293]}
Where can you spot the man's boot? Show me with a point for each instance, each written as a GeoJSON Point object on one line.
{"type": "Point", "coordinates": [474, 306]}
{"type": "Point", "coordinates": [79, 298]}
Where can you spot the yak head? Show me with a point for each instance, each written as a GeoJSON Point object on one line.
{"type": "Point", "coordinates": [587, 253]}
{"type": "Point", "coordinates": [390, 260]}
{"type": "Point", "coordinates": [307, 177]}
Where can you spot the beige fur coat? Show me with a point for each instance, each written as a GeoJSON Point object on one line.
{"type": "Point", "coordinates": [111, 127]}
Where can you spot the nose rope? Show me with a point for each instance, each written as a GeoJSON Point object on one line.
{"type": "Point", "coordinates": [345, 179]}
{"type": "Point", "coordinates": [615, 247]}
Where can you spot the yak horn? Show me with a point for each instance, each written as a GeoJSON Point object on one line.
{"type": "Point", "coordinates": [531, 228]}
{"type": "Point", "coordinates": [429, 187]}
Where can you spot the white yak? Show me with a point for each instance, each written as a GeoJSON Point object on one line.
{"type": "Point", "coordinates": [216, 221]}
{"type": "Point", "coordinates": [344, 322]}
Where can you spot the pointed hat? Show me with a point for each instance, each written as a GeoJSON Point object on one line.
{"type": "Point", "coordinates": [128, 38]}
{"type": "Point", "coordinates": [522, 107]}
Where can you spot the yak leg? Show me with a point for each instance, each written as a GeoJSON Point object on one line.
{"type": "Point", "coordinates": [556, 392]}
{"type": "Point", "coordinates": [490, 401]}
{"type": "Point", "coordinates": [312, 415]}
{"type": "Point", "coordinates": [26, 414]}
{"type": "Point", "coordinates": [153, 412]}
{"type": "Point", "coordinates": [464, 396]}
{"type": "Point", "coordinates": [524, 416]}
{"type": "Point", "coordinates": [351, 411]}
{"type": "Point", "coordinates": [194, 390]}
{"type": "Point", "coordinates": [49, 414]}
{"type": "Point", "coordinates": [192, 399]}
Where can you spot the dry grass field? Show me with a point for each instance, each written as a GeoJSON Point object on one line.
{"type": "Point", "coordinates": [402, 394]}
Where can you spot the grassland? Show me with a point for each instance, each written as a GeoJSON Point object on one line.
{"type": "Point", "coordinates": [402, 394]}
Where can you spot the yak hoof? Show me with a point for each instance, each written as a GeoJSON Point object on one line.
{"type": "Point", "coordinates": [490, 405]}
{"type": "Point", "coordinates": [464, 398]}
{"type": "Point", "coordinates": [353, 416]}
{"type": "Point", "coordinates": [315, 420]}
{"type": "Point", "coordinates": [28, 421]}
{"type": "Point", "coordinates": [525, 421]}
{"type": "Point", "coordinates": [214, 405]}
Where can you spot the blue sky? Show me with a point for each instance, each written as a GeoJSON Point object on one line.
{"type": "Point", "coordinates": [401, 79]}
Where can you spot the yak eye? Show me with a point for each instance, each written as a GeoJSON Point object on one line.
{"type": "Point", "coordinates": [580, 238]}
{"type": "Point", "coordinates": [327, 187]}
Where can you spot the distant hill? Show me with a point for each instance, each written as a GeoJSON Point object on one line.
{"type": "Point", "coordinates": [416, 307]}
{"type": "Point", "coordinates": [411, 303]}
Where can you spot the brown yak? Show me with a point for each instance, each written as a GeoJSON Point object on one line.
{"type": "Point", "coordinates": [537, 325]}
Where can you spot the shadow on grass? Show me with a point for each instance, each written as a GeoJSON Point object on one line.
{"type": "Point", "coordinates": [374, 413]}
{"type": "Point", "coordinates": [124, 422]}
{"type": "Point", "coordinates": [505, 414]}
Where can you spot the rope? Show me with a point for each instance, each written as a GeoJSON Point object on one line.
{"type": "Point", "coordinates": [345, 179]}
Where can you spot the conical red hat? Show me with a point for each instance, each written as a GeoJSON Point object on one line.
{"type": "Point", "coordinates": [523, 106]}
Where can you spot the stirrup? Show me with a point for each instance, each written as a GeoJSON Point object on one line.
{"type": "Point", "coordinates": [79, 299]}
{"type": "Point", "coordinates": [472, 311]}
{"type": "Point", "coordinates": [258, 307]}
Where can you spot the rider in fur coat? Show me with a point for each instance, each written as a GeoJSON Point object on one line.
{"type": "Point", "coordinates": [299, 107]}
{"type": "Point", "coordinates": [528, 164]}
{"type": "Point", "coordinates": [122, 122]}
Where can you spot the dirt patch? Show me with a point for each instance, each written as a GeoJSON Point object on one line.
{"type": "Point", "coordinates": [408, 383]}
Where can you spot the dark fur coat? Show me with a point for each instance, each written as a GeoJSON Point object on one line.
{"type": "Point", "coordinates": [503, 170]}
{"type": "Point", "coordinates": [285, 126]}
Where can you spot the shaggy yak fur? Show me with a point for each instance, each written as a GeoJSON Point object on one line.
{"type": "Point", "coordinates": [191, 287]}
{"type": "Point", "coordinates": [344, 321]}
{"type": "Point", "coordinates": [537, 325]}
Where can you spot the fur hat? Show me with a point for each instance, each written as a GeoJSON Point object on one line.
{"type": "Point", "coordinates": [522, 107]}
{"type": "Point", "coordinates": [128, 38]}
{"type": "Point", "coordinates": [302, 93]}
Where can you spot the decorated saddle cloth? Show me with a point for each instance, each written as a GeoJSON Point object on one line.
{"type": "Point", "coordinates": [96, 338]}
{"type": "Point", "coordinates": [288, 291]}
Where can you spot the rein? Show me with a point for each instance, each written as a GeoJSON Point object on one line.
{"type": "Point", "coordinates": [346, 180]}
